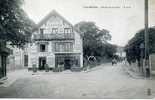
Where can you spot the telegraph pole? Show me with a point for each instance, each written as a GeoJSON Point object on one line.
{"type": "Point", "coordinates": [147, 65]}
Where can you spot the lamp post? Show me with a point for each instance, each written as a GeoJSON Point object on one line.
{"type": "Point", "coordinates": [147, 66]}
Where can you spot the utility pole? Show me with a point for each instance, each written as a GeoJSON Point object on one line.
{"type": "Point", "coordinates": [147, 65]}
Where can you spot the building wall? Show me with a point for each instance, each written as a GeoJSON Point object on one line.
{"type": "Point", "coordinates": [16, 60]}
{"type": "Point", "coordinates": [34, 55]}
{"type": "Point", "coordinates": [79, 47]}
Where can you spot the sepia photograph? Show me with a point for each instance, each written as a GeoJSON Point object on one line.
{"type": "Point", "coordinates": [77, 49]}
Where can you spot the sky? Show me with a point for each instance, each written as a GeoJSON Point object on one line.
{"type": "Point", "coordinates": [123, 18]}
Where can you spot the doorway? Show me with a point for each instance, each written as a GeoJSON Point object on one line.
{"type": "Point", "coordinates": [42, 62]}
{"type": "Point", "coordinates": [68, 63]}
{"type": "Point", "coordinates": [26, 60]}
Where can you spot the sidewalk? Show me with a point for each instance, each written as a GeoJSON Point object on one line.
{"type": "Point", "coordinates": [133, 71]}
{"type": "Point", "coordinates": [12, 76]}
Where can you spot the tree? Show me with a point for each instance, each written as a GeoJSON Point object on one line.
{"type": "Point", "coordinates": [95, 41]}
{"type": "Point", "coordinates": [133, 49]}
{"type": "Point", "coordinates": [15, 25]}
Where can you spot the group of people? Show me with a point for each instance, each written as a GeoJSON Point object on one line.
{"type": "Point", "coordinates": [89, 61]}
{"type": "Point", "coordinates": [114, 61]}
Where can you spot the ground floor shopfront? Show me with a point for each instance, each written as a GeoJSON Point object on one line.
{"type": "Point", "coordinates": [68, 61]}
{"type": "Point", "coordinates": [65, 60]}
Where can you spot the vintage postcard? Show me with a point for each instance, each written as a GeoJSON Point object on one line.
{"type": "Point", "coordinates": [77, 49]}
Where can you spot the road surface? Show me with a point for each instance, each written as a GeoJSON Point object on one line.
{"type": "Point", "coordinates": [104, 81]}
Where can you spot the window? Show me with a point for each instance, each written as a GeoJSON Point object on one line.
{"type": "Point", "coordinates": [64, 47]}
{"type": "Point", "coordinates": [61, 49]}
{"type": "Point", "coordinates": [67, 30]}
{"type": "Point", "coordinates": [69, 47]}
{"type": "Point", "coordinates": [54, 30]}
{"type": "Point", "coordinates": [25, 60]}
{"type": "Point", "coordinates": [56, 47]}
{"type": "Point", "coordinates": [42, 47]}
{"type": "Point", "coordinates": [41, 32]}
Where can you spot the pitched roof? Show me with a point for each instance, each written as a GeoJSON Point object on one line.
{"type": "Point", "coordinates": [46, 18]}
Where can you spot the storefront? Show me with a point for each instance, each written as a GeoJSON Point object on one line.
{"type": "Point", "coordinates": [68, 60]}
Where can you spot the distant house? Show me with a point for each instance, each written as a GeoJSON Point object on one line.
{"type": "Point", "coordinates": [120, 52]}
{"type": "Point", "coordinates": [55, 42]}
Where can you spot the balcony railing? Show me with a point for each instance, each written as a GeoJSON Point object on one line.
{"type": "Point", "coordinates": [54, 36]}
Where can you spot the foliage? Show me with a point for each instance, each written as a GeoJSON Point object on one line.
{"type": "Point", "coordinates": [95, 41]}
{"type": "Point", "coordinates": [133, 49]}
{"type": "Point", "coordinates": [15, 26]}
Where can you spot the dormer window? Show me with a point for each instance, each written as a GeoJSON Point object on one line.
{"type": "Point", "coordinates": [67, 30]}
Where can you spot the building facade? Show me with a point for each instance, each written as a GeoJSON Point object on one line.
{"type": "Point", "coordinates": [18, 59]}
{"type": "Point", "coordinates": [55, 42]}
{"type": "Point", "coordinates": [120, 52]}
